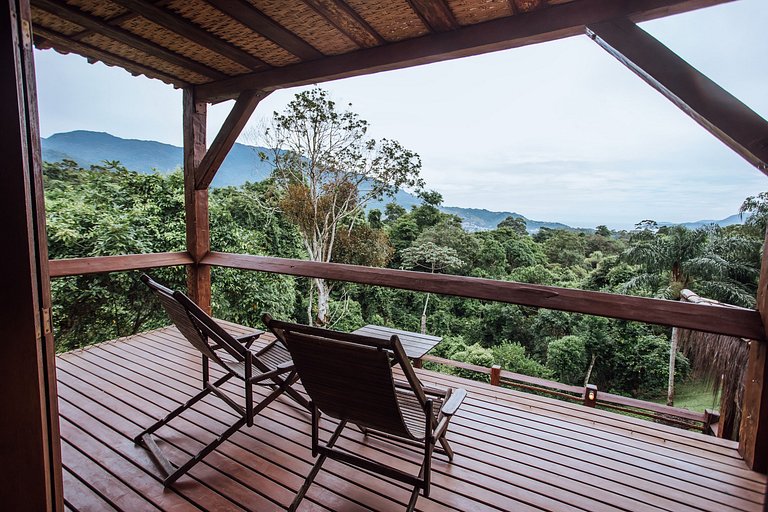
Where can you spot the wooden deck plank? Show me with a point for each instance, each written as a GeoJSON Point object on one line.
{"type": "Point", "coordinates": [513, 451]}
{"type": "Point", "coordinates": [82, 498]}
{"type": "Point", "coordinates": [586, 503]}
{"type": "Point", "coordinates": [195, 430]}
{"type": "Point", "coordinates": [705, 491]}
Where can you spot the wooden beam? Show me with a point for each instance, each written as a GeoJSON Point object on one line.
{"type": "Point", "coordinates": [435, 14]}
{"type": "Point", "coordinates": [31, 471]}
{"type": "Point", "coordinates": [115, 21]}
{"type": "Point", "coordinates": [740, 322]}
{"type": "Point", "coordinates": [513, 6]}
{"type": "Point", "coordinates": [753, 431]}
{"type": "Point", "coordinates": [714, 108]}
{"type": "Point", "coordinates": [533, 27]}
{"type": "Point", "coordinates": [241, 112]}
{"type": "Point", "coordinates": [196, 201]}
{"type": "Point", "coordinates": [180, 25]}
{"type": "Point", "coordinates": [62, 43]}
{"type": "Point", "coordinates": [248, 15]}
{"type": "Point", "coordinates": [347, 21]}
{"type": "Point", "coordinates": [121, 35]}
{"type": "Point", "coordinates": [102, 264]}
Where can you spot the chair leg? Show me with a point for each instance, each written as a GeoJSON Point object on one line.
{"type": "Point", "coordinates": [305, 487]}
{"type": "Point", "coordinates": [202, 453]}
{"type": "Point", "coordinates": [446, 447]}
{"type": "Point", "coordinates": [296, 396]}
{"type": "Point", "coordinates": [159, 423]}
{"type": "Point", "coordinates": [412, 501]}
{"type": "Point", "coordinates": [318, 463]}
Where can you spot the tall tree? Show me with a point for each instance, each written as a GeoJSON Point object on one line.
{"type": "Point", "coordinates": [674, 258]}
{"type": "Point", "coordinates": [329, 169]}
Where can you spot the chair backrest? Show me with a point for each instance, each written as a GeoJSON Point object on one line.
{"type": "Point", "coordinates": [196, 325]}
{"type": "Point", "coordinates": [349, 377]}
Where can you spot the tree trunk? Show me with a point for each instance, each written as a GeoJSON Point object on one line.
{"type": "Point", "coordinates": [672, 355]}
{"type": "Point", "coordinates": [323, 297]}
{"type": "Point", "coordinates": [424, 316]}
{"type": "Point", "coordinates": [589, 370]}
{"type": "Point", "coordinates": [310, 303]}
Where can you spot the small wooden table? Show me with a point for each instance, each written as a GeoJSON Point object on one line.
{"type": "Point", "coordinates": [415, 344]}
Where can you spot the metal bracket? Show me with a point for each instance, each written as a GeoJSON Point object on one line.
{"type": "Point", "coordinates": [26, 34]}
{"type": "Point", "coordinates": [47, 324]}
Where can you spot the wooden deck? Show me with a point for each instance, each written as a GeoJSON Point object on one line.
{"type": "Point", "coordinates": [514, 451]}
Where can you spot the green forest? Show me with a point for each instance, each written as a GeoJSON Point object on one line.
{"type": "Point", "coordinates": [109, 210]}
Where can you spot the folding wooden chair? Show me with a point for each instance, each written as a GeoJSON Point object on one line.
{"type": "Point", "coordinates": [349, 377]}
{"type": "Point", "coordinates": [270, 366]}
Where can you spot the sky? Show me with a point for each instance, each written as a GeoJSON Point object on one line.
{"type": "Point", "coordinates": [558, 131]}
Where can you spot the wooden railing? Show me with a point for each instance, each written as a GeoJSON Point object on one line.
{"type": "Point", "coordinates": [101, 264]}
{"type": "Point", "coordinates": [590, 396]}
{"type": "Point", "coordinates": [739, 322]}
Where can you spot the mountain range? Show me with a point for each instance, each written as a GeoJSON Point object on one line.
{"type": "Point", "coordinates": [243, 164]}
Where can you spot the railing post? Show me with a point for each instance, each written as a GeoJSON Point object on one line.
{"type": "Point", "coordinates": [712, 423]}
{"type": "Point", "coordinates": [196, 201]}
{"type": "Point", "coordinates": [590, 395]}
{"type": "Point", "coordinates": [495, 375]}
{"type": "Point", "coordinates": [753, 431]}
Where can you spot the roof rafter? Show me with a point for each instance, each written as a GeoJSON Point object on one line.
{"type": "Point", "coordinates": [115, 22]}
{"type": "Point", "coordinates": [257, 21]}
{"type": "Point", "coordinates": [347, 21]}
{"type": "Point", "coordinates": [435, 14]}
{"type": "Point", "coordinates": [61, 42]}
{"type": "Point", "coordinates": [178, 24]}
{"type": "Point", "coordinates": [123, 36]}
{"type": "Point", "coordinates": [714, 108]}
{"type": "Point", "coordinates": [512, 31]}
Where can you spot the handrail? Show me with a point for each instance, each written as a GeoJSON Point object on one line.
{"type": "Point", "coordinates": [740, 322]}
{"type": "Point", "coordinates": [664, 413]}
{"type": "Point", "coordinates": [101, 264]}
{"type": "Point", "coordinates": [501, 291]}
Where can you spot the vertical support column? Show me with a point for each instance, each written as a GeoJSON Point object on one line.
{"type": "Point", "coordinates": [29, 428]}
{"type": "Point", "coordinates": [753, 432]}
{"type": "Point", "coordinates": [196, 201]}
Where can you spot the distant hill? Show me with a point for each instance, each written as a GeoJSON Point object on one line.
{"type": "Point", "coordinates": [243, 164]}
{"type": "Point", "coordinates": [728, 221]}
{"type": "Point", "coordinates": [478, 219]}
{"type": "Point", "coordinates": [89, 148]}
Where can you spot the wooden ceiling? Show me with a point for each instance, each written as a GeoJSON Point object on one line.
{"type": "Point", "coordinates": [223, 47]}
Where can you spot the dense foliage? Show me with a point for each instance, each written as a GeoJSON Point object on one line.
{"type": "Point", "coordinates": [108, 210]}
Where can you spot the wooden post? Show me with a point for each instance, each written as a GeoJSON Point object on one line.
{"type": "Point", "coordinates": [495, 375]}
{"type": "Point", "coordinates": [712, 424]}
{"type": "Point", "coordinates": [196, 201]}
{"type": "Point", "coordinates": [753, 431]}
{"type": "Point", "coordinates": [29, 428]}
{"type": "Point", "coordinates": [590, 395]}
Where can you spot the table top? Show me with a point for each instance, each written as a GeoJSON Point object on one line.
{"type": "Point", "coordinates": [415, 344]}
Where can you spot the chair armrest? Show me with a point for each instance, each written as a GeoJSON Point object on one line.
{"type": "Point", "coordinates": [281, 368]}
{"type": "Point", "coordinates": [248, 339]}
{"type": "Point", "coordinates": [428, 390]}
{"type": "Point", "coordinates": [452, 404]}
